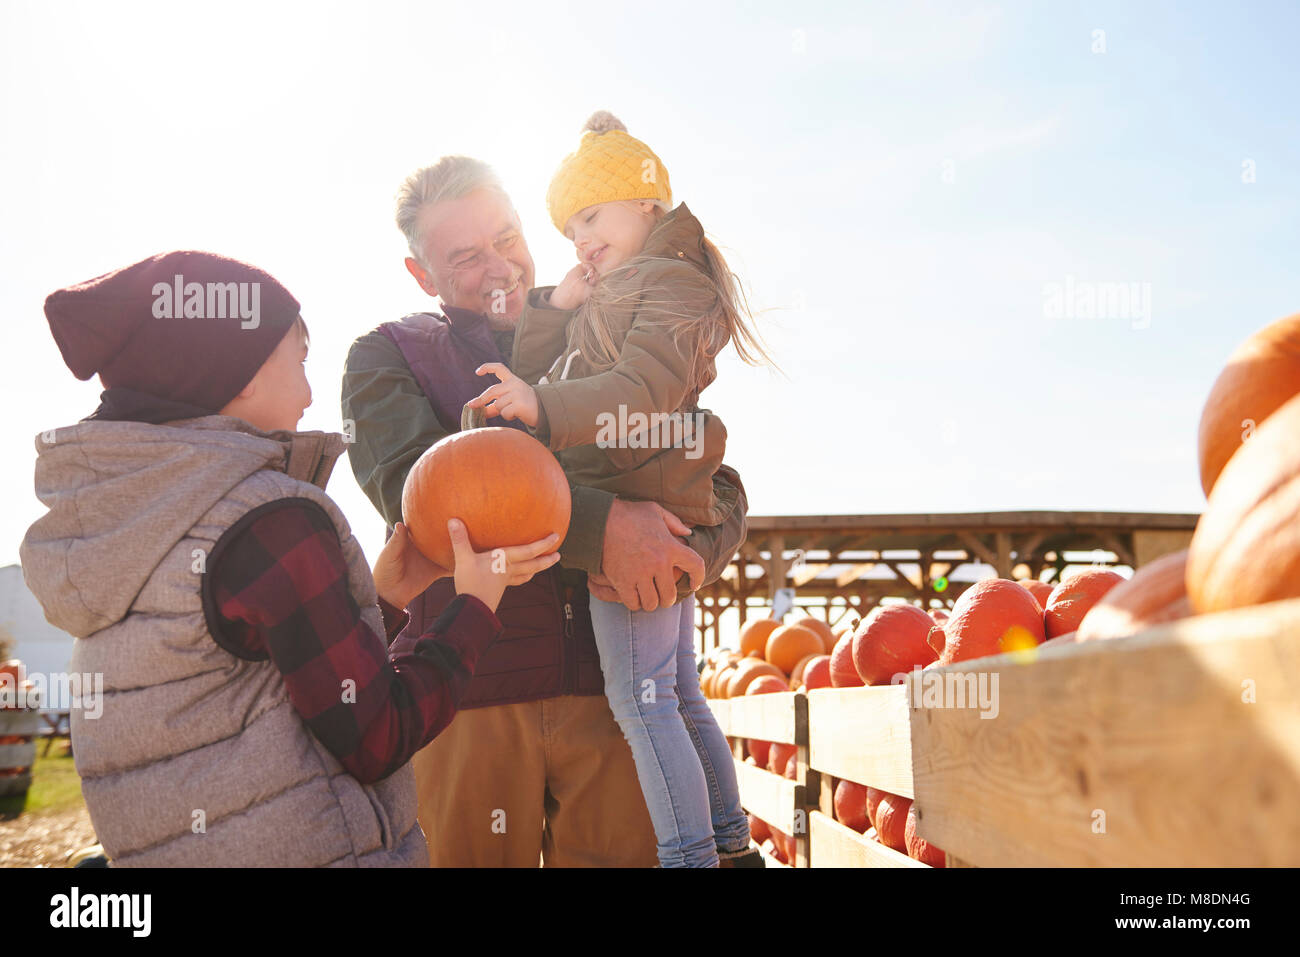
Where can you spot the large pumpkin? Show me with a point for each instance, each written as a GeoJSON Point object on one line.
{"type": "Point", "coordinates": [1246, 549]}
{"type": "Point", "coordinates": [991, 617]}
{"type": "Point", "coordinates": [892, 640]}
{"type": "Point", "coordinates": [1156, 593]}
{"type": "Point", "coordinates": [820, 628]}
{"type": "Point", "coordinates": [1261, 375]}
{"type": "Point", "coordinates": [503, 484]}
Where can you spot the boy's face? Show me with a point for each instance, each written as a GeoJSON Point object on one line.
{"type": "Point", "coordinates": [609, 234]}
{"type": "Point", "coordinates": [278, 395]}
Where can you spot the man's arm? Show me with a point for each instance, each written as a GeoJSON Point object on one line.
{"type": "Point", "coordinates": [394, 425]}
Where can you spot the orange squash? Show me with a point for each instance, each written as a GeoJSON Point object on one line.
{"type": "Point", "coordinates": [892, 640]}
{"type": "Point", "coordinates": [820, 628]}
{"type": "Point", "coordinates": [1261, 375]}
{"type": "Point", "coordinates": [745, 674]}
{"type": "Point", "coordinates": [754, 634]}
{"type": "Point", "coordinates": [789, 643]}
{"type": "Point", "coordinates": [766, 684]}
{"type": "Point", "coordinates": [992, 616]}
{"type": "Point", "coordinates": [891, 820]}
{"type": "Point", "coordinates": [850, 803]}
{"type": "Point", "coordinates": [1074, 597]}
{"type": "Point", "coordinates": [818, 673]}
{"type": "Point", "coordinates": [1246, 548]}
{"type": "Point", "coordinates": [1039, 589]}
{"type": "Point", "coordinates": [503, 484]}
{"type": "Point", "coordinates": [919, 849]}
{"type": "Point", "coordinates": [1156, 593]}
{"type": "Point", "coordinates": [844, 673]}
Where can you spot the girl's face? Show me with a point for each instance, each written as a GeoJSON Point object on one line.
{"type": "Point", "coordinates": [609, 234]}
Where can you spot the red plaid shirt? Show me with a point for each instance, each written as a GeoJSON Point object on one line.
{"type": "Point", "coordinates": [280, 588]}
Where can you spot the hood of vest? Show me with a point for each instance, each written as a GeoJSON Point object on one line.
{"type": "Point", "coordinates": [121, 495]}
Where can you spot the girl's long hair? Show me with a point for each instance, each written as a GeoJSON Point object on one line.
{"type": "Point", "coordinates": [715, 312]}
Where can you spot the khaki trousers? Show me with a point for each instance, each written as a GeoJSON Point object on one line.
{"type": "Point", "coordinates": [550, 781]}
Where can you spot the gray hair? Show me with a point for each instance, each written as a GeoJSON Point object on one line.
{"type": "Point", "coordinates": [452, 177]}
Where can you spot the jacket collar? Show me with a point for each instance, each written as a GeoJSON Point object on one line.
{"type": "Point", "coordinates": [678, 236]}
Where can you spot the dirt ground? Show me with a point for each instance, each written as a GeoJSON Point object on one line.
{"type": "Point", "coordinates": [44, 840]}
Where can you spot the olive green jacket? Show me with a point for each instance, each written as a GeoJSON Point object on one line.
{"type": "Point", "coordinates": [389, 423]}
{"type": "Point", "coordinates": [635, 428]}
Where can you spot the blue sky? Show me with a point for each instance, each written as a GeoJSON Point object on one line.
{"type": "Point", "coordinates": [897, 184]}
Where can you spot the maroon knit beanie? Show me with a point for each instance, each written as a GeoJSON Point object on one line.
{"type": "Point", "coordinates": [192, 327]}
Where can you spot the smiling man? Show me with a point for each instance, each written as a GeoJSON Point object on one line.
{"type": "Point", "coordinates": [534, 763]}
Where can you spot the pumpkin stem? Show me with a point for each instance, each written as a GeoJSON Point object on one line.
{"type": "Point", "coordinates": [472, 418]}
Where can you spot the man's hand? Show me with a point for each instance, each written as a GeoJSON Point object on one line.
{"type": "Point", "coordinates": [511, 398]}
{"type": "Point", "coordinates": [574, 288]}
{"type": "Point", "coordinates": [641, 556]}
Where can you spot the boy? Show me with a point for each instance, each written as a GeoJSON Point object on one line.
{"type": "Point", "coordinates": [252, 713]}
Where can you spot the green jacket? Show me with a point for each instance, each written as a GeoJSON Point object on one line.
{"type": "Point", "coordinates": [380, 391]}
{"type": "Point", "coordinates": [634, 429]}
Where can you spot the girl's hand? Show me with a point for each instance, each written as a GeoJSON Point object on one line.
{"type": "Point", "coordinates": [485, 575]}
{"type": "Point", "coordinates": [511, 398]}
{"type": "Point", "coordinates": [402, 572]}
{"type": "Point", "coordinates": [574, 288]}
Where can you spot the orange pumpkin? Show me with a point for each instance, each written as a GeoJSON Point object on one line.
{"type": "Point", "coordinates": [919, 849]}
{"type": "Point", "coordinates": [992, 616]}
{"type": "Point", "coordinates": [1261, 375]}
{"type": "Point", "coordinates": [1039, 589]}
{"type": "Point", "coordinates": [766, 684]}
{"type": "Point", "coordinates": [503, 484]}
{"type": "Point", "coordinates": [747, 671]}
{"type": "Point", "coordinates": [891, 820]}
{"type": "Point", "coordinates": [850, 803]}
{"type": "Point", "coordinates": [820, 628]}
{"type": "Point", "coordinates": [844, 673]}
{"type": "Point", "coordinates": [1156, 593]}
{"type": "Point", "coordinates": [892, 640]}
{"type": "Point", "coordinates": [818, 673]}
{"type": "Point", "coordinates": [789, 643]}
{"type": "Point", "coordinates": [1074, 597]}
{"type": "Point", "coordinates": [1246, 548]}
{"type": "Point", "coordinates": [754, 634]}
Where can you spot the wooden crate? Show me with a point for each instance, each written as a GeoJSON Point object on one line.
{"type": "Point", "coordinates": [1177, 747]}
{"type": "Point", "coordinates": [780, 802]}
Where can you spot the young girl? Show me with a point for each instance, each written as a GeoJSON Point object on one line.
{"type": "Point", "coordinates": [253, 713]}
{"type": "Point", "coordinates": [655, 303]}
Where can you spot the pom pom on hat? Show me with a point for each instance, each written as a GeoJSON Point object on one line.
{"type": "Point", "coordinates": [602, 121]}
{"type": "Point", "coordinates": [608, 165]}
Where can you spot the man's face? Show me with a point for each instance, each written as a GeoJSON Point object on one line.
{"type": "Point", "coordinates": [476, 255]}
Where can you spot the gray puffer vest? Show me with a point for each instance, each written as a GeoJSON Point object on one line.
{"type": "Point", "coordinates": [198, 758]}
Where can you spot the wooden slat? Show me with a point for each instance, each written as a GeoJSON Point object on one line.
{"type": "Point", "coordinates": [18, 755]}
{"type": "Point", "coordinates": [771, 798]}
{"type": "Point", "coordinates": [20, 722]}
{"type": "Point", "coordinates": [768, 717]}
{"type": "Point", "coordinates": [1151, 731]}
{"type": "Point", "coordinates": [862, 734]}
{"type": "Point", "coordinates": [834, 845]}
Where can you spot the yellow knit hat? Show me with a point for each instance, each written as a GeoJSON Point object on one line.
{"type": "Point", "coordinates": [608, 165]}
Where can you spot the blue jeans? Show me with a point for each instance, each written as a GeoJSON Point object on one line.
{"type": "Point", "coordinates": [682, 759]}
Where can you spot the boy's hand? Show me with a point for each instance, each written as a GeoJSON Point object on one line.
{"type": "Point", "coordinates": [402, 572]}
{"type": "Point", "coordinates": [511, 398]}
{"type": "Point", "coordinates": [574, 288]}
{"type": "Point", "coordinates": [485, 575]}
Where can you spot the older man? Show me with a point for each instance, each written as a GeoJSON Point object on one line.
{"type": "Point", "coordinates": [534, 764]}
